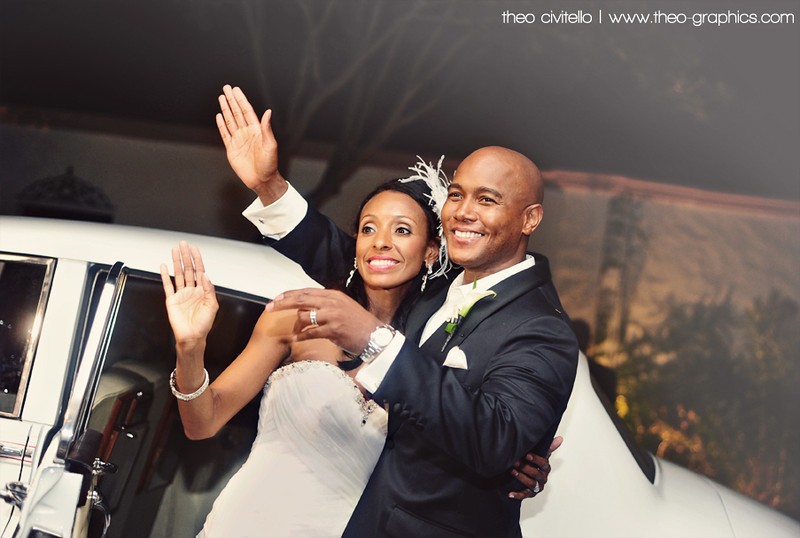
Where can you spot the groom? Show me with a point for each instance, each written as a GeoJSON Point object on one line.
{"type": "Point", "coordinates": [462, 407]}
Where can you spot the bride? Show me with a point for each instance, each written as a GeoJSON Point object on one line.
{"type": "Point", "coordinates": [318, 437]}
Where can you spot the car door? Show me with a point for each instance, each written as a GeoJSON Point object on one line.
{"type": "Point", "coordinates": [57, 500]}
{"type": "Point", "coordinates": [25, 285]}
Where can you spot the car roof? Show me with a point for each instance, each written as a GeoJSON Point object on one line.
{"type": "Point", "coordinates": [249, 267]}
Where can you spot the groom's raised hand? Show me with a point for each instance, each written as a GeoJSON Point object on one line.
{"type": "Point", "coordinates": [328, 314]}
{"type": "Point", "coordinates": [250, 145]}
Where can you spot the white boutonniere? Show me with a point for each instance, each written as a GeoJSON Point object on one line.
{"type": "Point", "coordinates": [473, 296]}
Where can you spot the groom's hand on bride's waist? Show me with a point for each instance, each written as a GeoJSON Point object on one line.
{"type": "Point", "coordinates": [533, 471]}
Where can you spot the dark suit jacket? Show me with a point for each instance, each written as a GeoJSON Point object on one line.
{"type": "Point", "coordinates": [454, 434]}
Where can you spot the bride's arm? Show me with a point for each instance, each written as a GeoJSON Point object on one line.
{"type": "Point", "coordinates": [244, 378]}
{"type": "Point", "coordinates": [241, 381]}
{"type": "Point", "coordinates": [192, 307]}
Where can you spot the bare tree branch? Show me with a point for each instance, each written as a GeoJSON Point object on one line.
{"type": "Point", "coordinates": [389, 77]}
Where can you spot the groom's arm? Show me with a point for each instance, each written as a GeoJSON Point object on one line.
{"type": "Point", "coordinates": [518, 405]}
{"type": "Point", "coordinates": [304, 235]}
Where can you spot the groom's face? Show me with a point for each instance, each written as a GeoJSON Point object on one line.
{"type": "Point", "coordinates": [486, 217]}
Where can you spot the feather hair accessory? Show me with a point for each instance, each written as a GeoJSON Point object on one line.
{"type": "Point", "coordinates": [437, 182]}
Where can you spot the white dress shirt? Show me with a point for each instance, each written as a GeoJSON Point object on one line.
{"type": "Point", "coordinates": [280, 217]}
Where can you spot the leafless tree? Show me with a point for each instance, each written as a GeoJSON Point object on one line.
{"type": "Point", "coordinates": [385, 76]}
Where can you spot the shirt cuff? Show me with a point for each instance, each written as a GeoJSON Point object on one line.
{"type": "Point", "coordinates": [371, 375]}
{"type": "Point", "coordinates": [280, 217]}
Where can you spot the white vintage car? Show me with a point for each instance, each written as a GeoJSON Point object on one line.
{"type": "Point", "coordinates": [90, 440]}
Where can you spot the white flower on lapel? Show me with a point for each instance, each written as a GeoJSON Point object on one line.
{"type": "Point", "coordinates": [460, 312]}
{"type": "Point", "coordinates": [456, 358]}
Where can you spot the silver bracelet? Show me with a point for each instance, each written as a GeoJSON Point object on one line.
{"type": "Point", "coordinates": [187, 397]}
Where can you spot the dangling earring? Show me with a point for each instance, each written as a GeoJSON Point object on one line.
{"type": "Point", "coordinates": [352, 272]}
{"type": "Point", "coordinates": [425, 278]}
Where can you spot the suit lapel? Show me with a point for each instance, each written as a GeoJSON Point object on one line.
{"type": "Point", "coordinates": [436, 341]}
{"type": "Point", "coordinates": [507, 291]}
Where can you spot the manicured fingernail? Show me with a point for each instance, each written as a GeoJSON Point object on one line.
{"type": "Point", "coordinates": [514, 472]}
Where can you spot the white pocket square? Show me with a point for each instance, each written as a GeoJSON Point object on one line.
{"type": "Point", "coordinates": [456, 359]}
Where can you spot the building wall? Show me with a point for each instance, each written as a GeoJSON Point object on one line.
{"type": "Point", "coordinates": [693, 249]}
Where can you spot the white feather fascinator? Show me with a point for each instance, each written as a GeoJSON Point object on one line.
{"type": "Point", "coordinates": [437, 182]}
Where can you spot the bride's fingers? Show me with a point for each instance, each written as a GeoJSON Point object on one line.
{"type": "Point", "coordinates": [178, 268]}
{"type": "Point", "coordinates": [166, 281]}
{"type": "Point", "coordinates": [197, 260]}
{"type": "Point", "coordinates": [188, 267]}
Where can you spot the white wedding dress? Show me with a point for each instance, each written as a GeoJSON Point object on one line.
{"type": "Point", "coordinates": [317, 443]}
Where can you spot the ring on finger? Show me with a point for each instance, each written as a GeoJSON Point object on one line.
{"type": "Point", "coordinates": [535, 489]}
{"type": "Point", "coordinates": [313, 316]}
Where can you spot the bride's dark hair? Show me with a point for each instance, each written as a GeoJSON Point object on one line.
{"type": "Point", "coordinates": [420, 193]}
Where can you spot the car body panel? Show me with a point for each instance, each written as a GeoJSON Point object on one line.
{"type": "Point", "coordinates": [266, 273]}
{"type": "Point", "coordinates": [597, 489]}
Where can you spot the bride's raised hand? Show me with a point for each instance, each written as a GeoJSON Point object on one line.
{"type": "Point", "coordinates": [191, 303]}
{"type": "Point", "coordinates": [249, 143]}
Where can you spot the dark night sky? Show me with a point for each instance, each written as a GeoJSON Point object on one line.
{"type": "Point", "coordinates": [714, 107]}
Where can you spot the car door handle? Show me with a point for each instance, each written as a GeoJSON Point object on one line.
{"type": "Point", "coordinates": [13, 452]}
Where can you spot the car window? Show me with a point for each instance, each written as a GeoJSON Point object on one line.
{"type": "Point", "coordinates": [24, 288]}
{"type": "Point", "coordinates": [134, 414]}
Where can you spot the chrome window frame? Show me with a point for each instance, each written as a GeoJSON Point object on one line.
{"type": "Point", "coordinates": [92, 358]}
{"type": "Point", "coordinates": [36, 326]}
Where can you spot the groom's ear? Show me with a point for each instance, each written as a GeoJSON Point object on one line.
{"type": "Point", "coordinates": [533, 217]}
